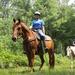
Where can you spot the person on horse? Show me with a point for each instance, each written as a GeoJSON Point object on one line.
{"type": "Point", "coordinates": [38, 26]}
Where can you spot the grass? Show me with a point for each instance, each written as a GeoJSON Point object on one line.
{"type": "Point", "coordinates": [59, 70]}
{"type": "Point", "coordinates": [62, 67]}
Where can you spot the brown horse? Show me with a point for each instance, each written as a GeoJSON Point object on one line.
{"type": "Point", "coordinates": [31, 44]}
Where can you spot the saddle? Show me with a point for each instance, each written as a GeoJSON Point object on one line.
{"type": "Point", "coordinates": [47, 38]}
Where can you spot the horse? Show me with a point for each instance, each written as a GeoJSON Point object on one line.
{"type": "Point", "coordinates": [31, 44]}
{"type": "Point", "coordinates": [71, 54]}
{"type": "Point", "coordinates": [70, 51]}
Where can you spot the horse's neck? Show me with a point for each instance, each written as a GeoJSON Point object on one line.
{"type": "Point", "coordinates": [25, 28]}
{"type": "Point", "coordinates": [26, 33]}
{"type": "Point", "coordinates": [28, 36]}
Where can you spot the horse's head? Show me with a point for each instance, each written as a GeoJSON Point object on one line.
{"type": "Point", "coordinates": [17, 29]}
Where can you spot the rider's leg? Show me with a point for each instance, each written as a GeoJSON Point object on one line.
{"type": "Point", "coordinates": [40, 32]}
{"type": "Point", "coordinates": [42, 36]}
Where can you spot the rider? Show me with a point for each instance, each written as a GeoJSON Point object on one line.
{"type": "Point", "coordinates": [38, 25]}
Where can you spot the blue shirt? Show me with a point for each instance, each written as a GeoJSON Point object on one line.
{"type": "Point", "coordinates": [37, 24]}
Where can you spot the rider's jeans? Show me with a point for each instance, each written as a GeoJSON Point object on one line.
{"type": "Point", "coordinates": [42, 35]}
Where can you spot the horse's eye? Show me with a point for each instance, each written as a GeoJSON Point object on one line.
{"type": "Point", "coordinates": [18, 28]}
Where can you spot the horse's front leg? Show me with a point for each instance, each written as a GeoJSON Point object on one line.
{"type": "Point", "coordinates": [30, 52]}
{"type": "Point", "coordinates": [30, 56]}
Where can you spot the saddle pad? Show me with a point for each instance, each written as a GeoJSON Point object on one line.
{"type": "Point", "coordinates": [46, 37]}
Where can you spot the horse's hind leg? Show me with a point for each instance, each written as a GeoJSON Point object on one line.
{"type": "Point", "coordinates": [51, 58]}
{"type": "Point", "coordinates": [42, 61]}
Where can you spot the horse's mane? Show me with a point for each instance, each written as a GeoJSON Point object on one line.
{"type": "Point", "coordinates": [25, 24]}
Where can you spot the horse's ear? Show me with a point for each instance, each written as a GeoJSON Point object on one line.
{"type": "Point", "coordinates": [14, 20]}
{"type": "Point", "coordinates": [19, 20]}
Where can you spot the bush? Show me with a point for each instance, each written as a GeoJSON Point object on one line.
{"type": "Point", "coordinates": [8, 59]}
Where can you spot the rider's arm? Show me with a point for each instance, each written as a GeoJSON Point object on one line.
{"type": "Point", "coordinates": [43, 27]}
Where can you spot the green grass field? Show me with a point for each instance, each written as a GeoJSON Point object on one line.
{"type": "Point", "coordinates": [59, 70]}
{"type": "Point", "coordinates": [62, 67]}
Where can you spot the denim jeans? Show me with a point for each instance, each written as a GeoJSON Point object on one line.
{"type": "Point", "coordinates": [41, 34]}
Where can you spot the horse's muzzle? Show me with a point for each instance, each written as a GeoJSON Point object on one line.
{"type": "Point", "coordinates": [14, 39]}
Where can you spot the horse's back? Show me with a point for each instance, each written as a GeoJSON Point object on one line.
{"type": "Point", "coordinates": [47, 37]}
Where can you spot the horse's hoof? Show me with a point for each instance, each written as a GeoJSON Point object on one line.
{"type": "Point", "coordinates": [33, 70]}
{"type": "Point", "coordinates": [40, 69]}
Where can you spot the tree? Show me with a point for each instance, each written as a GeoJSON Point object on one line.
{"type": "Point", "coordinates": [49, 10]}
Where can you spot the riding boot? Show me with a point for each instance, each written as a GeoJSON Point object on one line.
{"type": "Point", "coordinates": [43, 46]}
